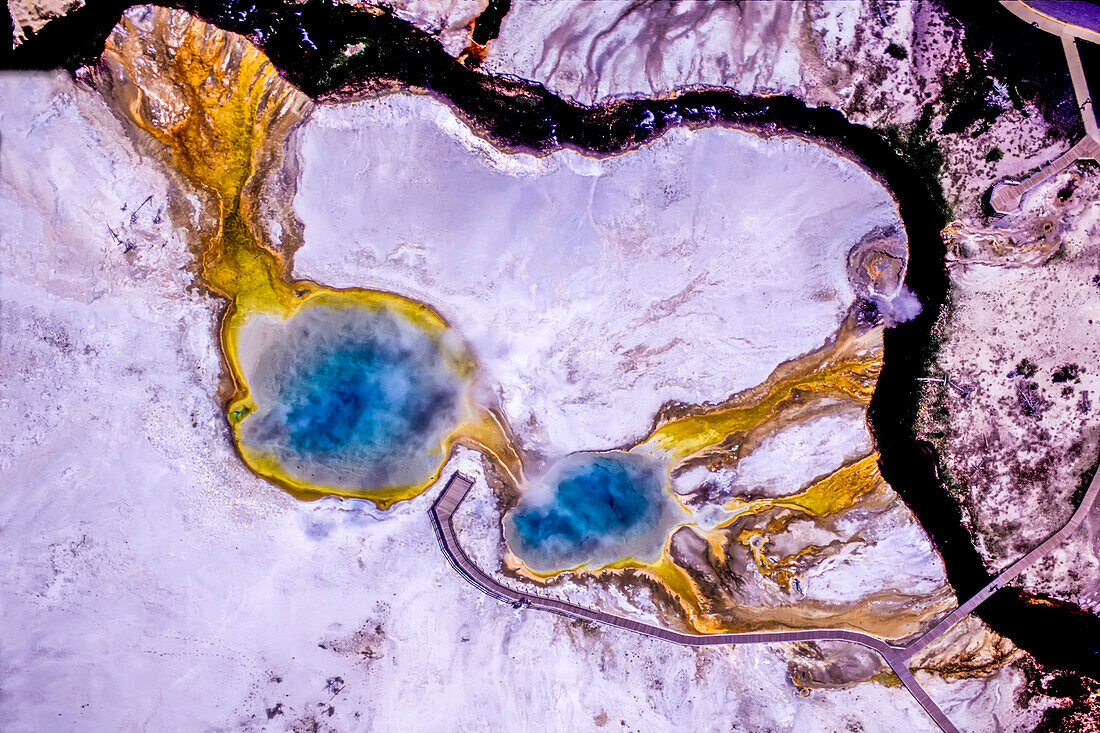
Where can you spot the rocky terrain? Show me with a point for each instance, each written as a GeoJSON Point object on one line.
{"type": "Point", "coordinates": [1016, 444]}
{"type": "Point", "coordinates": [1016, 419]}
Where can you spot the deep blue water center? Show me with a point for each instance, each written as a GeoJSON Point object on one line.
{"type": "Point", "coordinates": [355, 397]}
{"type": "Point", "coordinates": [598, 501]}
{"type": "Point", "coordinates": [369, 397]}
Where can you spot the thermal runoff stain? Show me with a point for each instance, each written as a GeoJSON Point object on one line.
{"type": "Point", "coordinates": [357, 392]}
{"type": "Point", "coordinates": [580, 515]}
{"type": "Point", "coordinates": [363, 393]}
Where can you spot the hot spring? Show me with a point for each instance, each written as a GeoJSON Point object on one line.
{"type": "Point", "coordinates": [355, 396]}
{"type": "Point", "coordinates": [592, 509]}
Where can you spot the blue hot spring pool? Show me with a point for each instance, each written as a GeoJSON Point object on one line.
{"type": "Point", "coordinates": [354, 398]}
{"type": "Point", "coordinates": [592, 508]}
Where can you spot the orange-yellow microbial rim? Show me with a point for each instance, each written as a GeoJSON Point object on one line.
{"type": "Point", "coordinates": [226, 111]}
{"type": "Point", "coordinates": [220, 108]}
{"type": "Point", "coordinates": [846, 369]}
{"type": "Point", "coordinates": [242, 405]}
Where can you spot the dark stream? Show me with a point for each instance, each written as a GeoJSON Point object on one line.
{"type": "Point", "coordinates": [306, 43]}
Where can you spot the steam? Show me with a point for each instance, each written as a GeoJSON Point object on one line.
{"type": "Point", "coordinates": [353, 397]}
{"type": "Point", "coordinates": [904, 306]}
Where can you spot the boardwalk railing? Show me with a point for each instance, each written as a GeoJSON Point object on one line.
{"type": "Point", "coordinates": [1069, 22]}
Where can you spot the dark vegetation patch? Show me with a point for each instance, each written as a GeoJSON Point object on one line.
{"type": "Point", "coordinates": [1011, 61]}
{"type": "Point", "coordinates": [1025, 369]}
{"type": "Point", "coordinates": [1083, 484]}
{"type": "Point", "coordinates": [970, 101]}
{"type": "Point", "coordinates": [1066, 373]}
{"type": "Point", "coordinates": [897, 51]}
{"type": "Point", "coordinates": [1078, 699]}
{"type": "Point", "coordinates": [918, 145]}
{"type": "Point", "coordinates": [487, 25]}
{"type": "Point", "coordinates": [994, 155]}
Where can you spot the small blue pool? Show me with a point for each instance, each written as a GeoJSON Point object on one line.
{"type": "Point", "coordinates": [593, 507]}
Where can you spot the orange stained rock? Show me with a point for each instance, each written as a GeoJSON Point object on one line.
{"type": "Point", "coordinates": [886, 679]}
{"type": "Point", "coordinates": [828, 495]}
{"type": "Point", "coordinates": [218, 105]}
{"type": "Point", "coordinates": [491, 435]}
{"type": "Point", "coordinates": [780, 570]}
{"type": "Point", "coordinates": [705, 612]}
{"type": "Point", "coordinates": [223, 114]}
{"type": "Point", "coordinates": [838, 490]}
{"type": "Point", "coordinates": [847, 368]}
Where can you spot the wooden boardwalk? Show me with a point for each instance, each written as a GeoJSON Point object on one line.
{"type": "Point", "coordinates": [1068, 21]}
{"type": "Point", "coordinates": [1010, 573]}
{"type": "Point", "coordinates": [1007, 195]}
{"type": "Point", "coordinates": [442, 512]}
{"type": "Point", "coordinates": [455, 491]}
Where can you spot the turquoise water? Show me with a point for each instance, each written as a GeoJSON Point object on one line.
{"type": "Point", "coordinates": [354, 398]}
{"type": "Point", "coordinates": [600, 503]}
{"type": "Point", "coordinates": [366, 397]}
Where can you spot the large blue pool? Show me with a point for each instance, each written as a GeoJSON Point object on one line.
{"type": "Point", "coordinates": [354, 398]}
{"type": "Point", "coordinates": [367, 397]}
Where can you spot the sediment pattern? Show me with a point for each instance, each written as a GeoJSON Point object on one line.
{"type": "Point", "coordinates": [222, 113]}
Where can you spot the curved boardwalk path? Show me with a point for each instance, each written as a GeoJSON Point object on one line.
{"type": "Point", "coordinates": [1010, 572]}
{"type": "Point", "coordinates": [1069, 21]}
{"type": "Point", "coordinates": [1006, 196]}
{"type": "Point", "coordinates": [441, 515]}
{"type": "Point", "coordinates": [458, 487]}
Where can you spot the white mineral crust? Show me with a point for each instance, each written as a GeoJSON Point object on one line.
{"type": "Point", "coordinates": [795, 456]}
{"type": "Point", "coordinates": [150, 582]}
{"type": "Point", "coordinates": [450, 20]}
{"type": "Point", "coordinates": [822, 52]}
{"type": "Point", "coordinates": [592, 291]}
